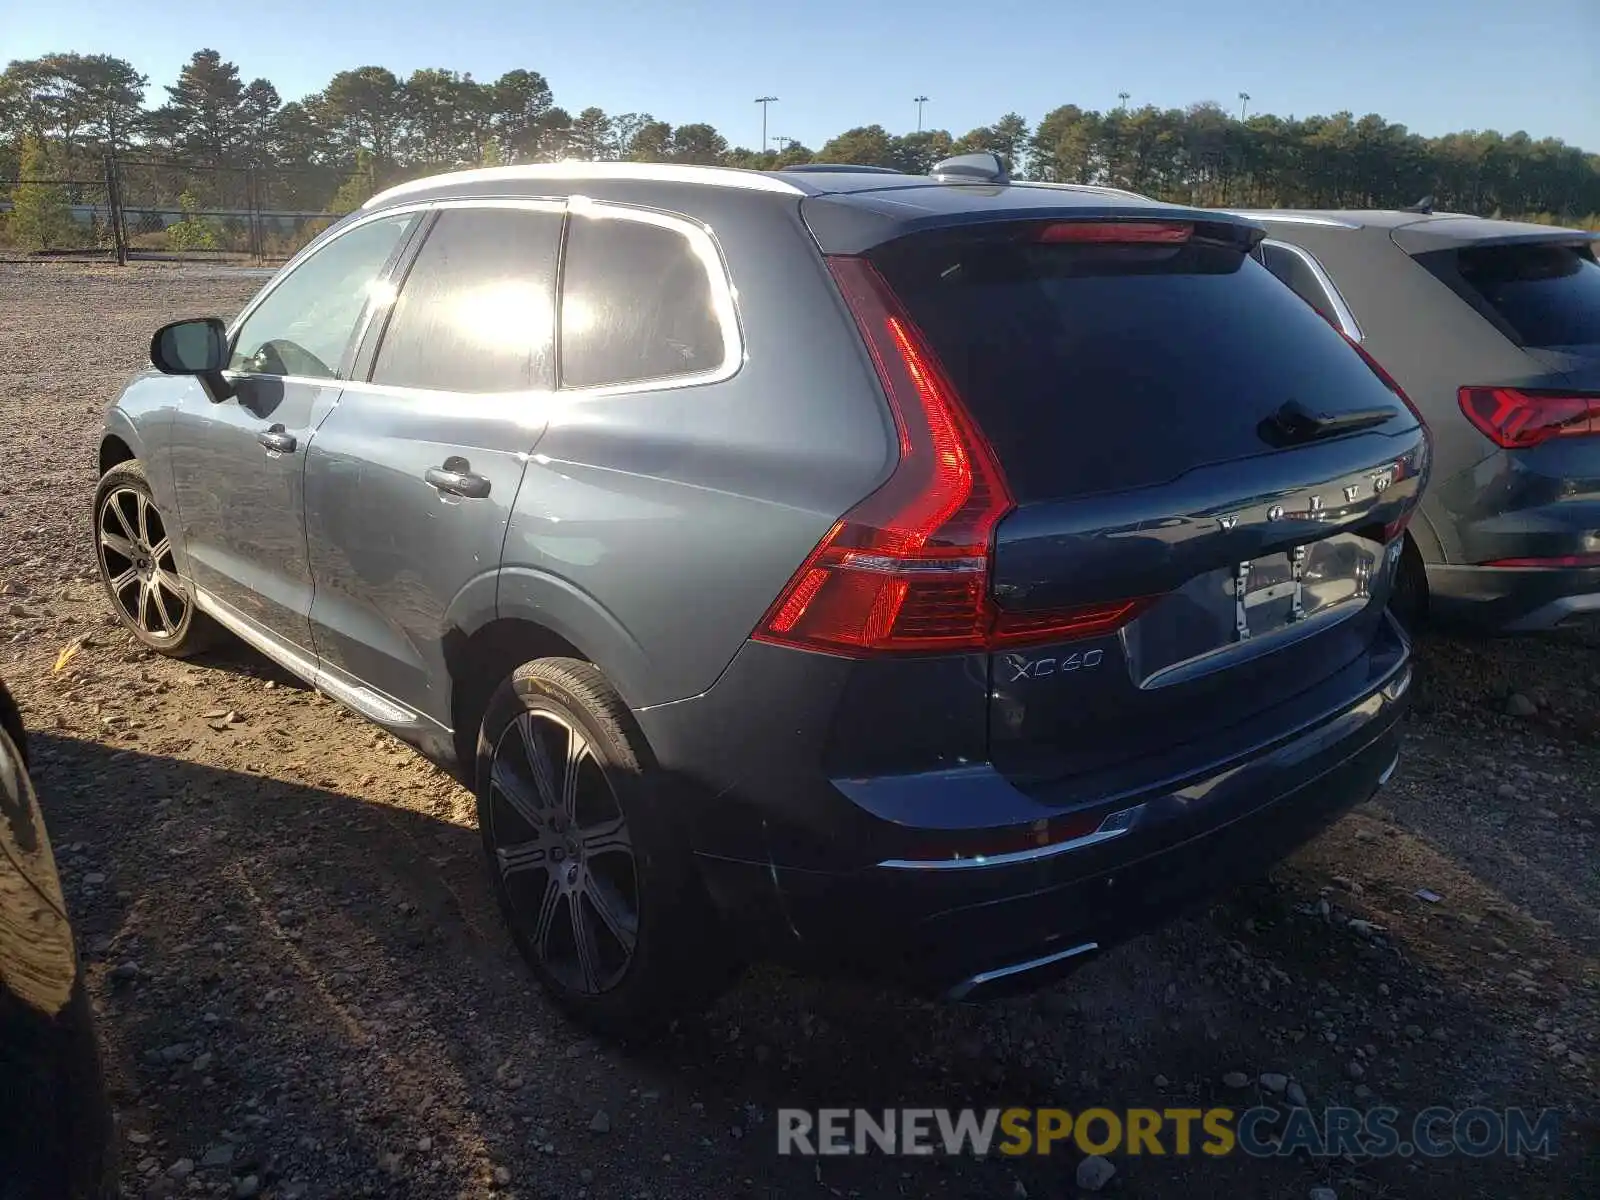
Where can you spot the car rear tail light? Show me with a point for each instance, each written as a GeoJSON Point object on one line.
{"type": "Point", "coordinates": [1564, 560]}
{"type": "Point", "coordinates": [907, 569]}
{"type": "Point", "coordinates": [1515, 419]}
{"type": "Point", "coordinates": [1164, 233]}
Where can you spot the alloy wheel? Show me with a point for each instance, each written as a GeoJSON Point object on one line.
{"type": "Point", "coordinates": [562, 847]}
{"type": "Point", "coordinates": [136, 558]}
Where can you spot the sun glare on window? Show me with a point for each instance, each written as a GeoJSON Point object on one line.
{"type": "Point", "coordinates": [503, 314]}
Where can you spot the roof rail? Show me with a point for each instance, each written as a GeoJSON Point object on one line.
{"type": "Point", "coordinates": [1097, 188]}
{"type": "Point", "coordinates": [1289, 217]}
{"type": "Point", "coordinates": [756, 181]}
{"type": "Point", "coordinates": [850, 168]}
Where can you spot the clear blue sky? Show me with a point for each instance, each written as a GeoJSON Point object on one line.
{"type": "Point", "coordinates": [1433, 65]}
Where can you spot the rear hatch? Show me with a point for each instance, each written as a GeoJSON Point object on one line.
{"type": "Point", "coordinates": [1540, 287]}
{"type": "Point", "coordinates": [1190, 449]}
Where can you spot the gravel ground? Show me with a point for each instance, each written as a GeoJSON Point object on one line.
{"type": "Point", "coordinates": [305, 991]}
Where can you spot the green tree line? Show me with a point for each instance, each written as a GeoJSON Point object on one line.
{"type": "Point", "coordinates": [369, 127]}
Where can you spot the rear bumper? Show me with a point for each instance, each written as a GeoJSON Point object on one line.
{"type": "Point", "coordinates": [1511, 599]}
{"type": "Point", "coordinates": [971, 927]}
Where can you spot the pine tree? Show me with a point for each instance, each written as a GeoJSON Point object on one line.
{"type": "Point", "coordinates": [40, 218]}
{"type": "Point", "coordinates": [357, 188]}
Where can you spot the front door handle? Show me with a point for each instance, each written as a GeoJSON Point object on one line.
{"type": "Point", "coordinates": [276, 440]}
{"type": "Point", "coordinates": [456, 479]}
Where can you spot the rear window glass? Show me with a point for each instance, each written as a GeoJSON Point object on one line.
{"type": "Point", "coordinates": [1550, 295]}
{"type": "Point", "coordinates": [1098, 368]}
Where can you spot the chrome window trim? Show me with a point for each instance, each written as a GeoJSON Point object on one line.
{"type": "Point", "coordinates": [724, 299]}
{"type": "Point", "coordinates": [1341, 310]}
{"type": "Point", "coordinates": [699, 236]}
{"type": "Point", "coordinates": [753, 181]}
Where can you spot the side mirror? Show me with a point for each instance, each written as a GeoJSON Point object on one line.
{"type": "Point", "coordinates": [196, 347]}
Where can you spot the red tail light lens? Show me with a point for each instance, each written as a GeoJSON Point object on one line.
{"type": "Point", "coordinates": [1515, 419]}
{"type": "Point", "coordinates": [907, 569]}
{"type": "Point", "coordinates": [1163, 233]}
{"type": "Point", "coordinates": [1014, 629]}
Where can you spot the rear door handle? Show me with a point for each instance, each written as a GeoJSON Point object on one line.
{"type": "Point", "coordinates": [276, 440]}
{"type": "Point", "coordinates": [456, 479]}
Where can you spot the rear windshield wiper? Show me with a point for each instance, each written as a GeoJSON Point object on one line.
{"type": "Point", "coordinates": [1294, 423]}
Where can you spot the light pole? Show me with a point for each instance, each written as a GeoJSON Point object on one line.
{"type": "Point", "coordinates": [1244, 100]}
{"type": "Point", "coordinates": [1123, 96]}
{"type": "Point", "coordinates": [764, 101]}
{"type": "Point", "coordinates": [920, 101]}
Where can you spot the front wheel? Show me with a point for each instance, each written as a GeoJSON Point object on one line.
{"type": "Point", "coordinates": [592, 873]}
{"type": "Point", "coordinates": [133, 547]}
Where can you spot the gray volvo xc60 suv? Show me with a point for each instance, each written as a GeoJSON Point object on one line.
{"type": "Point", "coordinates": [932, 577]}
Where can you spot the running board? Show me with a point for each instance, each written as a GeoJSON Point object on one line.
{"type": "Point", "coordinates": [370, 704]}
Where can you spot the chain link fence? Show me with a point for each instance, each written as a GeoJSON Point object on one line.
{"type": "Point", "coordinates": [153, 209]}
{"type": "Point", "coordinates": [63, 216]}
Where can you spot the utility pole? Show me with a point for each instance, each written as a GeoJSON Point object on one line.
{"type": "Point", "coordinates": [765, 101]}
{"type": "Point", "coordinates": [1244, 100]}
{"type": "Point", "coordinates": [920, 101]}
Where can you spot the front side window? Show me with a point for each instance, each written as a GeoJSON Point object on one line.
{"type": "Point", "coordinates": [477, 310]}
{"type": "Point", "coordinates": [637, 303]}
{"type": "Point", "coordinates": [304, 325]}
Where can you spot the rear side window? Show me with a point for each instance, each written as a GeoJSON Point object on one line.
{"type": "Point", "coordinates": [1294, 270]}
{"type": "Point", "coordinates": [1550, 295]}
{"type": "Point", "coordinates": [1100, 367]}
{"type": "Point", "coordinates": [477, 310]}
{"type": "Point", "coordinates": [637, 304]}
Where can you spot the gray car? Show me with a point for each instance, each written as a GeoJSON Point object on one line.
{"type": "Point", "coordinates": [1493, 329]}
{"type": "Point", "coordinates": [932, 577]}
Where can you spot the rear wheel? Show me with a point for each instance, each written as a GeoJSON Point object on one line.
{"type": "Point", "coordinates": [133, 547]}
{"type": "Point", "coordinates": [1409, 598]}
{"type": "Point", "coordinates": [594, 879]}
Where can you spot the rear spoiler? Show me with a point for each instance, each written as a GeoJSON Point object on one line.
{"type": "Point", "coordinates": [1462, 233]}
{"type": "Point", "coordinates": [859, 222]}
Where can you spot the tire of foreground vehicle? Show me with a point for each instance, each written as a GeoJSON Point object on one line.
{"type": "Point", "coordinates": [133, 548]}
{"type": "Point", "coordinates": [595, 881]}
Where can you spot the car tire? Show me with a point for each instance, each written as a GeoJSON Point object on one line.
{"type": "Point", "coordinates": [133, 549]}
{"type": "Point", "coordinates": [1408, 599]}
{"type": "Point", "coordinates": [593, 875]}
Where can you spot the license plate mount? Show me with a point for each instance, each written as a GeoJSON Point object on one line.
{"type": "Point", "coordinates": [1269, 593]}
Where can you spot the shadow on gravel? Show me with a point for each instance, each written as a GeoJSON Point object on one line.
{"type": "Point", "coordinates": [315, 989]}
